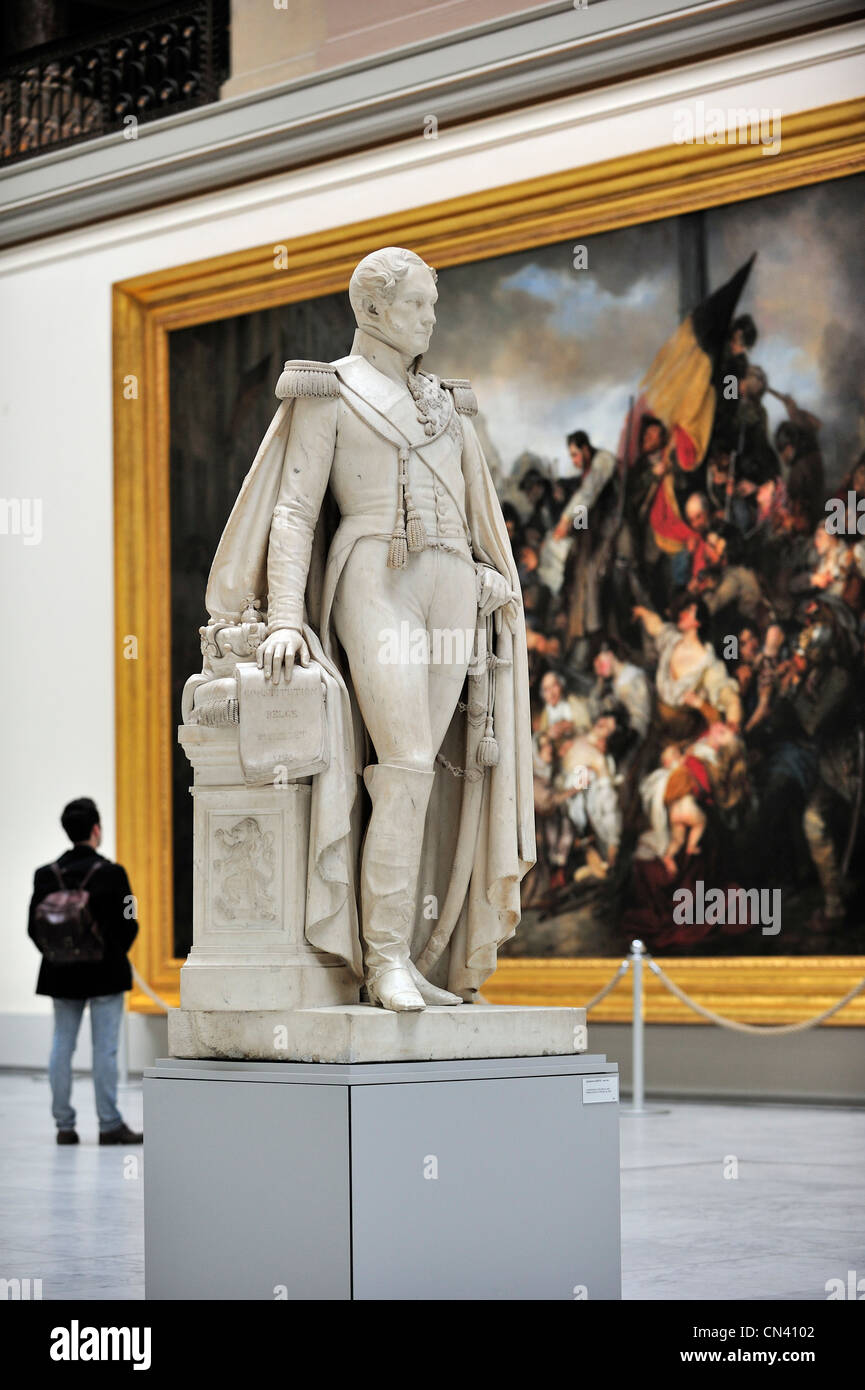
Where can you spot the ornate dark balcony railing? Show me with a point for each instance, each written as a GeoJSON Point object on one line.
{"type": "Point", "coordinates": [169, 60]}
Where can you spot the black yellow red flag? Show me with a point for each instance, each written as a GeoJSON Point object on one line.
{"type": "Point", "coordinates": [680, 388]}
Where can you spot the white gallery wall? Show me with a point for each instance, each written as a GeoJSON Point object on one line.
{"type": "Point", "coordinates": [56, 649]}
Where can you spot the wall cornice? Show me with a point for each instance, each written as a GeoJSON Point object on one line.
{"type": "Point", "coordinates": [540, 55]}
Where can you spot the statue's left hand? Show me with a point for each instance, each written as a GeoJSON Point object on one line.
{"type": "Point", "coordinates": [495, 595]}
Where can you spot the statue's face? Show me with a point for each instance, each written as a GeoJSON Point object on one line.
{"type": "Point", "coordinates": [407, 323]}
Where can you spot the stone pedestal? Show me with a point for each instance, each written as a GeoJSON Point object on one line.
{"type": "Point", "coordinates": [361, 1033]}
{"type": "Point", "coordinates": [249, 948]}
{"type": "Point", "coordinates": [431, 1180]}
{"type": "Point", "coordinates": [253, 988]}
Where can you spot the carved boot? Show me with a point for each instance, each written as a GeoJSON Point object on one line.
{"type": "Point", "coordinates": [391, 862]}
{"type": "Point", "coordinates": [431, 994]}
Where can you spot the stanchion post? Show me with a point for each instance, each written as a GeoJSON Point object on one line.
{"type": "Point", "coordinates": [637, 1052]}
{"type": "Point", "coordinates": [638, 1056]}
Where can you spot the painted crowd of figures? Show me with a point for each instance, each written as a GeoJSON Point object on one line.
{"type": "Point", "coordinates": [695, 639]}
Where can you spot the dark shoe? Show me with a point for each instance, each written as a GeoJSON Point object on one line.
{"type": "Point", "coordinates": [122, 1135]}
{"type": "Point", "coordinates": [67, 1136]}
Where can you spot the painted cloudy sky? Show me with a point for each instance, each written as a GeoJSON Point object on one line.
{"type": "Point", "coordinates": [550, 349]}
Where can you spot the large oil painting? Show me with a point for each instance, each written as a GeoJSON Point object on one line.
{"type": "Point", "coordinates": [674, 415]}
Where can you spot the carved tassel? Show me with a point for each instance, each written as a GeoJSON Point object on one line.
{"type": "Point", "coordinates": [397, 555]}
{"type": "Point", "coordinates": [488, 748]}
{"type": "Point", "coordinates": [414, 527]}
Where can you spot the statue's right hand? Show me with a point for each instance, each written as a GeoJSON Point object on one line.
{"type": "Point", "coordinates": [278, 651]}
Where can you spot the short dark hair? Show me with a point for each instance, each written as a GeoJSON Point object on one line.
{"type": "Point", "coordinates": [623, 734]}
{"type": "Point", "coordinates": [682, 600]}
{"type": "Point", "coordinates": [579, 439]}
{"type": "Point", "coordinates": [786, 433]}
{"type": "Point", "coordinates": [803, 439]}
{"type": "Point", "coordinates": [530, 477]}
{"type": "Point", "coordinates": [79, 818]}
{"type": "Point", "coordinates": [745, 325]}
{"type": "Point", "coordinates": [646, 423]}
{"type": "Point", "coordinates": [613, 646]}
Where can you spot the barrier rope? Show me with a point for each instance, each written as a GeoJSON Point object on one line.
{"type": "Point", "coordinates": [756, 1029]}
{"type": "Point", "coordinates": [145, 987]}
{"type": "Point", "coordinates": [611, 984]}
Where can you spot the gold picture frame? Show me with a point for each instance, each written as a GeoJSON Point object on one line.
{"type": "Point", "coordinates": [817, 146]}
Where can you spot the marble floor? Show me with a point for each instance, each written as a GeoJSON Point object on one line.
{"type": "Point", "coordinates": [792, 1218]}
{"type": "Point", "coordinates": [71, 1217]}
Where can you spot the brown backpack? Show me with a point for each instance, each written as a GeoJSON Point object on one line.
{"type": "Point", "coordinates": [63, 925]}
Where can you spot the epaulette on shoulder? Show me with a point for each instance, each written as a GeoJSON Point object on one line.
{"type": "Point", "coordinates": [465, 400]}
{"type": "Point", "coordinates": [301, 378]}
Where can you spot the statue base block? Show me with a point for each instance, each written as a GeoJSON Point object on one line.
{"type": "Point", "coordinates": [363, 1033]}
{"type": "Point", "coordinates": [490, 1179]}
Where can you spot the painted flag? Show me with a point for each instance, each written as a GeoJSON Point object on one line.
{"type": "Point", "coordinates": [680, 387]}
{"type": "Point", "coordinates": [680, 390]}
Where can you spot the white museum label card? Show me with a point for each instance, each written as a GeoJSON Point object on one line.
{"type": "Point", "coordinates": [600, 1090]}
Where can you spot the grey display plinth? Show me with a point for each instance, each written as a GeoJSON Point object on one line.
{"type": "Point", "coordinates": [410, 1180]}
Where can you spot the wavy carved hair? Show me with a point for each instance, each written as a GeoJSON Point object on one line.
{"type": "Point", "coordinates": [376, 277]}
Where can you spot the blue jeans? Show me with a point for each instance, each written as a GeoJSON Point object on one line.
{"type": "Point", "coordinates": [106, 1012]}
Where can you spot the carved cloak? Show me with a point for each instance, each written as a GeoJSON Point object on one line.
{"type": "Point", "coordinates": [480, 839]}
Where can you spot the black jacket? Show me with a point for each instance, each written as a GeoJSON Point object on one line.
{"type": "Point", "coordinates": [110, 896]}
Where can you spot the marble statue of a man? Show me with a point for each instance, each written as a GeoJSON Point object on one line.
{"type": "Point", "coordinates": [370, 525]}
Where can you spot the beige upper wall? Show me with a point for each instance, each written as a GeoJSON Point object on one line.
{"type": "Point", "coordinates": [273, 41]}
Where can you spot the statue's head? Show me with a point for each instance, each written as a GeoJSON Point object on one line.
{"type": "Point", "coordinates": [393, 294]}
